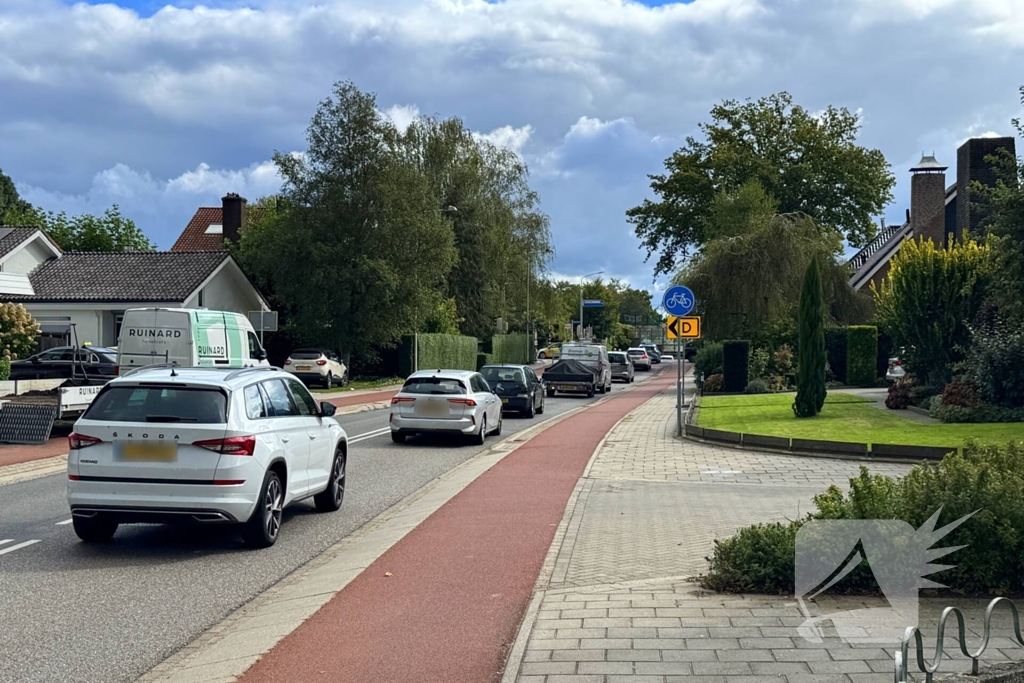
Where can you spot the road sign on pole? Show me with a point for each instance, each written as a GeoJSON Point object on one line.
{"type": "Point", "coordinates": [678, 300]}
{"type": "Point", "coordinates": [593, 303]}
{"type": "Point", "coordinates": [263, 321]}
{"type": "Point", "coordinates": [683, 328]}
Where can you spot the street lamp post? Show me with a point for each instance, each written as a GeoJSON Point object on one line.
{"type": "Point", "coordinates": [581, 299]}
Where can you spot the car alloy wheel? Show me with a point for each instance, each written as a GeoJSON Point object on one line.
{"type": "Point", "coordinates": [330, 499]}
{"type": "Point", "coordinates": [329, 381]}
{"type": "Point", "coordinates": [273, 506]}
{"type": "Point", "coordinates": [480, 438]}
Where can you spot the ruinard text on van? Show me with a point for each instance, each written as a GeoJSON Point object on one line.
{"type": "Point", "coordinates": [218, 351]}
{"type": "Point", "coordinates": [163, 333]}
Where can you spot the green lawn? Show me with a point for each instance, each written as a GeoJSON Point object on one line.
{"type": "Point", "coordinates": [846, 417]}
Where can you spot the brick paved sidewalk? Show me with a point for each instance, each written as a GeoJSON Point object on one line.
{"type": "Point", "coordinates": [617, 600]}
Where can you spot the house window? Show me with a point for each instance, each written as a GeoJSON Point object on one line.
{"type": "Point", "coordinates": [118, 319]}
{"type": "Point", "coordinates": [215, 229]}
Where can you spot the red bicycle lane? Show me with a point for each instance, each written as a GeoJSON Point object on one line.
{"type": "Point", "coordinates": [445, 602]}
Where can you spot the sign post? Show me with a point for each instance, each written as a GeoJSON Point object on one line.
{"type": "Point", "coordinates": [679, 301]}
{"type": "Point", "coordinates": [263, 321]}
{"type": "Point", "coordinates": [681, 329]}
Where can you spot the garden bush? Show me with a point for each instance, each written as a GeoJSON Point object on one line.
{"type": "Point", "coordinates": [921, 394]}
{"type": "Point", "coordinates": [985, 480]}
{"type": "Point", "coordinates": [759, 359]}
{"type": "Point", "coordinates": [979, 414]}
{"type": "Point", "coordinates": [861, 355]}
{"type": "Point", "coordinates": [756, 386]}
{"type": "Point", "coordinates": [899, 395]}
{"type": "Point", "coordinates": [708, 360]}
{"type": "Point", "coordinates": [5, 369]}
{"type": "Point", "coordinates": [713, 383]}
{"type": "Point", "coordinates": [962, 394]}
{"type": "Point", "coordinates": [512, 348]}
{"type": "Point", "coordinates": [18, 331]}
{"type": "Point", "coordinates": [993, 364]}
{"type": "Point", "coordinates": [835, 352]}
{"type": "Point", "coordinates": [735, 365]}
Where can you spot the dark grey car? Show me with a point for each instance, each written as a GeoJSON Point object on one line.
{"type": "Point", "coordinates": [622, 366]}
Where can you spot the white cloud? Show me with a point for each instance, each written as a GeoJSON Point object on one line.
{"type": "Point", "coordinates": [593, 94]}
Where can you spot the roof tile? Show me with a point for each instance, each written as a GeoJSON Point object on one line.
{"type": "Point", "coordinates": [194, 237]}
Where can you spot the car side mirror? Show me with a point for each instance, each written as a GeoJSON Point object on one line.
{"type": "Point", "coordinates": [262, 355]}
{"type": "Point", "coordinates": [35, 359]}
{"type": "Point", "coordinates": [327, 409]}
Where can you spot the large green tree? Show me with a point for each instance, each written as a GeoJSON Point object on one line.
{"type": "Point", "coordinates": [807, 162]}
{"type": "Point", "coordinates": [929, 300]}
{"type": "Point", "coordinates": [810, 376]}
{"type": "Point", "coordinates": [108, 232]}
{"type": "Point", "coordinates": [357, 247]}
{"type": "Point", "coordinates": [11, 203]}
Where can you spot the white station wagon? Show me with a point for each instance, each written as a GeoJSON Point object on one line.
{"type": "Point", "coordinates": [445, 401]}
{"type": "Point", "coordinates": [203, 445]}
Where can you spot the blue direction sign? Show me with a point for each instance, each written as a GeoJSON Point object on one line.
{"type": "Point", "coordinates": [593, 303]}
{"type": "Point", "coordinates": [679, 300]}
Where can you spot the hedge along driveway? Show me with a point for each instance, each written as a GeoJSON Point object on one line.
{"type": "Point", "coordinates": [846, 417]}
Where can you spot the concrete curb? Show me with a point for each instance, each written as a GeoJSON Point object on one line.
{"type": "Point", "coordinates": [809, 454]}
{"type": "Point", "coordinates": [33, 469]}
{"type": "Point", "coordinates": [363, 408]}
{"type": "Point", "coordinates": [227, 649]}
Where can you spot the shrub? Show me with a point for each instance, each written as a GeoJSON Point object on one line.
{"type": "Point", "coordinates": [18, 331]}
{"type": "Point", "coordinates": [511, 348]}
{"type": "Point", "coordinates": [962, 394]}
{"type": "Point", "coordinates": [979, 414]}
{"type": "Point", "coordinates": [933, 405]}
{"type": "Point", "coordinates": [810, 391]}
{"type": "Point", "coordinates": [735, 365]}
{"type": "Point", "coordinates": [759, 359]}
{"type": "Point", "coordinates": [985, 480]}
{"type": "Point", "coordinates": [993, 364]}
{"type": "Point", "coordinates": [861, 355]}
{"type": "Point", "coordinates": [483, 359]}
{"type": "Point", "coordinates": [782, 360]}
{"type": "Point", "coordinates": [708, 360]}
{"type": "Point", "coordinates": [5, 369]}
{"type": "Point", "coordinates": [835, 351]}
{"type": "Point", "coordinates": [922, 394]}
{"type": "Point", "coordinates": [756, 386]}
{"type": "Point", "coordinates": [713, 383]}
{"type": "Point", "coordinates": [899, 395]}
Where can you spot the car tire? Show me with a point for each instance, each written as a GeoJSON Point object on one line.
{"type": "Point", "coordinates": [542, 355]}
{"type": "Point", "coordinates": [540, 410]}
{"type": "Point", "coordinates": [481, 437]}
{"type": "Point", "coordinates": [330, 499]}
{"type": "Point", "coordinates": [96, 529]}
{"type": "Point", "coordinates": [590, 392]}
{"type": "Point", "coordinates": [329, 380]}
{"type": "Point", "coordinates": [551, 392]}
{"type": "Point", "coordinates": [398, 437]}
{"type": "Point", "coordinates": [529, 412]}
{"type": "Point", "coordinates": [264, 525]}
{"type": "Point", "coordinates": [344, 379]}
{"type": "Point", "coordinates": [501, 418]}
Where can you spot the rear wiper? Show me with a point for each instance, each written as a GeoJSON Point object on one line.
{"type": "Point", "coordinates": [169, 418]}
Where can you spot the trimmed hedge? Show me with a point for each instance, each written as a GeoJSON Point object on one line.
{"type": "Point", "coordinates": [511, 348]}
{"type": "Point", "coordinates": [439, 351]}
{"type": "Point", "coordinates": [861, 355]}
{"type": "Point", "coordinates": [5, 369]}
{"type": "Point", "coordinates": [708, 360]}
{"type": "Point", "coordinates": [483, 359]}
{"type": "Point", "coordinates": [835, 352]}
{"type": "Point", "coordinates": [735, 365]}
{"type": "Point", "coordinates": [979, 414]}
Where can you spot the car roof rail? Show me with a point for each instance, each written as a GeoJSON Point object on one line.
{"type": "Point", "coordinates": [255, 368]}
{"type": "Point", "coordinates": [155, 366]}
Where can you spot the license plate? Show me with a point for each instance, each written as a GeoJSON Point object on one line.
{"type": "Point", "coordinates": [504, 400]}
{"type": "Point", "coordinates": [147, 452]}
{"type": "Point", "coordinates": [434, 409]}
{"type": "Point", "coordinates": [304, 368]}
{"type": "Point", "coordinates": [567, 387]}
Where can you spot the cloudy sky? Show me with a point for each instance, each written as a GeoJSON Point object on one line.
{"type": "Point", "coordinates": [165, 107]}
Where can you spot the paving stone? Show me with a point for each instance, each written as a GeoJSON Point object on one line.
{"type": "Point", "coordinates": [544, 668]}
{"type": "Point", "coordinates": [724, 668]}
{"type": "Point", "coordinates": [578, 655]}
{"type": "Point", "coordinates": [683, 668]}
{"type": "Point", "coordinates": [605, 667]}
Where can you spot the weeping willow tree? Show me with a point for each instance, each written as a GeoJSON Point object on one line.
{"type": "Point", "coordinates": [750, 282]}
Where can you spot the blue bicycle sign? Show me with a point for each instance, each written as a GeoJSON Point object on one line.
{"type": "Point", "coordinates": [678, 300]}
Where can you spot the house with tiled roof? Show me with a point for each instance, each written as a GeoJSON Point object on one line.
{"type": "Point", "coordinates": [83, 296]}
{"type": "Point", "coordinates": [210, 226]}
{"type": "Point", "coordinates": [938, 212]}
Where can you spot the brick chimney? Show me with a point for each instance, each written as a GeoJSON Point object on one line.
{"type": "Point", "coordinates": [233, 218]}
{"type": "Point", "coordinates": [972, 167]}
{"type": "Point", "coordinates": [928, 200]}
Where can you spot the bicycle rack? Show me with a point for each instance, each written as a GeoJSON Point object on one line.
{"type": "Point", "coordinates": [929, 668]}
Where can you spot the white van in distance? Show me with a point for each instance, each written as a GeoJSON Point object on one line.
{"type": "Point", "coordinates": [187, 337]}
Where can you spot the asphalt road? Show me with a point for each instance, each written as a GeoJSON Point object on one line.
{"type": "Point", "coordinates": [76, 613]}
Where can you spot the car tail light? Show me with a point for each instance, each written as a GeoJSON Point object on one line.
{"type": "Point", "coordinates": [235, 445]}
{"type": "Point", "coordinates": [77, 442]}
{"type": "Point", "coordinates": [401, 399]}
{"type": "Point", "coordinates": [117, 370]}
{"type": "Point", "coordinates": [463, 401]}
{"type": "Point", "coordinates": [74, 477]}
{"type": "Point", "coordinates": [288, 361]}
{"type": "Point", "coordinates": [321, 362]}
{"type": "Point", "coordinates": [228, 482]}
{"type": "Point", "coordinates": [898, 363]}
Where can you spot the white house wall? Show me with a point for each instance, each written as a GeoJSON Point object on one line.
{"type": "Point", "coordinates": [228, 290]}
{"type": "Point", "coordinates": [25, 260]}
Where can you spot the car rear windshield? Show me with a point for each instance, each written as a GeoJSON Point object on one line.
{"type": "Point", "coordinates": [636, 352]}
{"type": "Point", "coordinates": [434, 385]}
{"type": "Point", "coordinates": [617, 357]}
{"type": "Point", "coordinates": [306, 354]}
{"type": "Point", "coordinates": [503, 375]}
{"type": "Point", "coordinates": [159, 404]}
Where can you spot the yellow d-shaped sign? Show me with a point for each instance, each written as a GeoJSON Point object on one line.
{"type": "Point", "coordinates": [683, 328]}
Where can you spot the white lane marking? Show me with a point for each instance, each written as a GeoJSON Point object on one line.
{"type": "Point", "coordinates": [6, 540]}
{"type": "Point", "coordinates": [370, 435]}
{"type": "Point", "coordinates": [66, 521]}
{"type": "Point", "coordinates": [18, 547]}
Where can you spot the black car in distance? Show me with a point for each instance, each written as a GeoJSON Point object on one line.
{"type": "Point", "coordinates": [517, 386]}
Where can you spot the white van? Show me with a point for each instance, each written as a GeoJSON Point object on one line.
{"type": "Point", "coordinates": [594, 355]}
{"type": "Point", "coordinates": [187, 337]}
